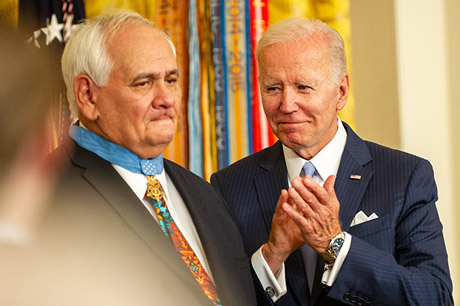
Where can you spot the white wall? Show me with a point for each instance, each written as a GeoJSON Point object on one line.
{"type": "Point", "coordinates": [406, 51]}
{"type": "Point", "coordinates": [424, 98]}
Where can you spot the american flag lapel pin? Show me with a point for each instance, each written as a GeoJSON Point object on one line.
{"type": "Point", "coordinates": [355, 177]}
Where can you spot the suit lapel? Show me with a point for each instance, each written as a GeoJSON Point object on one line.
{"type": "Point", "coordinates": [269, 181]}
{"type": "Point", "coordinates": [202, 214]}
{"type": "Point", "coordinates": [197, 210]}
{"type": "Point", "coordinates": [353, 177]}
{"type": "Point", "coordinates": [106, 180]}
{"type": "Point", "coordinates": [350, 191]}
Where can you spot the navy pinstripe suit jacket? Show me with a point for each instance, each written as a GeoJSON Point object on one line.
{"type": "Point", "coordinates": [398, 259]}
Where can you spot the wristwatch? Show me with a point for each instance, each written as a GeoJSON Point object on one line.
{"type": "Point", "coordinates": [334, 248]}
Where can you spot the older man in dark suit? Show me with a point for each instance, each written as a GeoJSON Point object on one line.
{"type": "Point", "coordinates": [360, 225]}
{"type": "Point", "coordinates": [128, 227]}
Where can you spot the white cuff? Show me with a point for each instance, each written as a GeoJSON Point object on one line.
{"type": "Point", "coordinates": [275, 286]}
{"type": "Point", "coordinates": [331, 272]}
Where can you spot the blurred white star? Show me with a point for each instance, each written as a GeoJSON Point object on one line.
{"type": "Point", "coordinates": [35, 38]}
{"type": "Point", "coordinates": [53, 30]}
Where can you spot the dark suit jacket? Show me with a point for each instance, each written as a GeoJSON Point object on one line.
{"type": "Point", "coordinates": [398, 259]}
{"type": "Point", "coordinates": [104, 248]}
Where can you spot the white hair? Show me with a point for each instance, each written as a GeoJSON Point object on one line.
{"type": "Point", "coordinates": [298, 28]}
{"type": "Point", "coordinates": [86, 53]}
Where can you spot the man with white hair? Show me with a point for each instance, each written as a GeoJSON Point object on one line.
{"type": "Point", "coordinates": [360, 225]}
{"type": "Point", "coordinates": [128, 227]}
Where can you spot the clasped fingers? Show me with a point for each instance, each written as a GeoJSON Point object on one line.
{"type": "Point", "coordinates": [315, 209]}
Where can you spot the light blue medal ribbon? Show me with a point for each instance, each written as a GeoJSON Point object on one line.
{"type": "Point", "coordinates": [114, 153]}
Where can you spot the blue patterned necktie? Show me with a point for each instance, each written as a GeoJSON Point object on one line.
{"type": "Point", "coordinates": [156, 197]}
{"type": "Point", "coordinates": [309, 255]}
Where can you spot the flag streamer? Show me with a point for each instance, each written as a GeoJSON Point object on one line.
{"type": "Point", "coordinates": [219, 88]}
{"type": "Point", "coordinates": [235, 31]}
{"type": "Point", "coordinates": [194, 109]}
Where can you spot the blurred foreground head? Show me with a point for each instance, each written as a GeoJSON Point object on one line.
{"type": "Point", "coordinates": [27, 84]}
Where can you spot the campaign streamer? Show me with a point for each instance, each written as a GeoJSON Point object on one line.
{"type": "Point", "coordinates": [236, 78]}
{"type": "Point", "coordinates": [262, 135]}
{"type": "Point", "coordinates": [219, 84]}
{"type": "Point", "coordinates": [207, 95]}
{"type": "Point", "coordinates": [194, 113]}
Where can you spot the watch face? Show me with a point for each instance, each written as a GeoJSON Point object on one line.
{"type": "Point", "coordinates": [333, 250]}
{"type": "Point", "coordinates": [335, 247]}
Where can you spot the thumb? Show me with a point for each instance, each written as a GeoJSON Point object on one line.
{"type": "Point", "coordinates": [284, 196]}
{"type": "Point", "coordinates": [329, 185]}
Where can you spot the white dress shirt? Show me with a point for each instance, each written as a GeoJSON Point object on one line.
{"type": "Point", "coordinates": [176, 206]}
{"type": "Point", "coordinates": [327, 163]}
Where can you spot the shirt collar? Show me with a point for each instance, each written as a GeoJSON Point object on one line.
{"type": "Point", "coordinates": [327, 160]}
{"type": "Point", "coordinates": [114, 153]}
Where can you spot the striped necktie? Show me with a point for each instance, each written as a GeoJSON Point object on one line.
{"type": "Point", "coordinates": [156, 196]}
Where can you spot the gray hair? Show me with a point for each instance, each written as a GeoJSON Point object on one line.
{"type": "Point", "coordinates": [292, 29]}
{"type": "Point", "coordinates": [86, 53]}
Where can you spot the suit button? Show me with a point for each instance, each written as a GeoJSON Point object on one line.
{"type": "Point", "coordinates": [270, 291]}
{"type": "Point", "coordinates": [353, 299]}
{"type": "Point", "coordinates": [347, 296]}
{"type": "Point", "coordinates": [360, 302]}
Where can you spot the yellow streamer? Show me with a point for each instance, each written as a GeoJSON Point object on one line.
{"type": "Point", "coordinates": [282, 9]}
{"type": "Point", "coordinates": [144, 7]}
{"type": "Point", "coordinates": [336, 13]}
{"type": "Point", "coordinates": [9, 12]}
{"type": "Point", "coordinates": [236, 78]}
{"type": "Point", "coordinates": [207, 93]}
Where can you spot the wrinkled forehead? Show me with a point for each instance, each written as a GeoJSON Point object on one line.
{"type": "Point", "coordinates": [313, 42]}
{"type": "Point", "coordinates": [294, 53]}
{"type": "Point", "coordinates": [132, 27]}
{"type": "Point", "coordinates": [142, 50]}
{"type": "Point", "coordinates": [147, 42]}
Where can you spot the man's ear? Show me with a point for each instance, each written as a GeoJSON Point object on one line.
{"type": "Point", "coordinates": [343, 90]}
{"type": "Point", "coordinates": [86, 97]}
